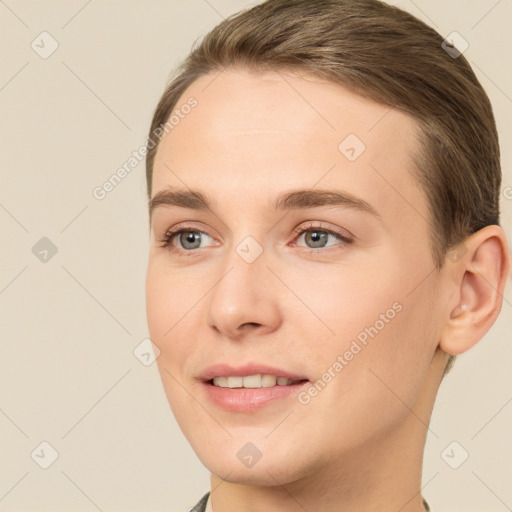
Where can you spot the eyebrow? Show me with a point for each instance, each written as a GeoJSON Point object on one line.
{"type": "Point", "coordinates": [294, 200]}
{"type": "Point", "coordinates": [302, 199]}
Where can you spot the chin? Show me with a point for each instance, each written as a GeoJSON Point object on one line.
{"type": "Point", "coordinates": [264, 473]}
{"type": "Point", "coordinates": [262, 462]}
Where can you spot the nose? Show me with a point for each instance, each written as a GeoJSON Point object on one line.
{"type": "Point", "coordinates": [245, 299]}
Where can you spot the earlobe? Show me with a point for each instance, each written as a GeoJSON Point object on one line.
{"type": "Point", "coordinates": [479, 280]}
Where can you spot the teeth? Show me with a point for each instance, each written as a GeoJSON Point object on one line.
{"type": "Point", "coordinates": [221, 382]}
{"type": "Point", "coordinates": [235, 382]}
{"type": "Point", "coordinates": [268, 381]}
{"type": "Point", "coordinates": [251, 381]}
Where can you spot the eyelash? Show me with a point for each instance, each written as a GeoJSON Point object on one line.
{"type": "Point", "coordinates": [165, 241]}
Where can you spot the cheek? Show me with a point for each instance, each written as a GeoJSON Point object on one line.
{"type": "Point", "coordinates": [386, 349]}
{"type": "Point", "coordinates": [380, 341]}
{"type": "Point", "coordinates": [169, 297]}
{"type": "Point", "coordinates": [350, 303]}
{"type": "Point", "coordinates": [169, 310]}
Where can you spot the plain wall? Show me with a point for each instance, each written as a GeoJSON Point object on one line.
{"type": "Point", "coordinates": [70, 324]}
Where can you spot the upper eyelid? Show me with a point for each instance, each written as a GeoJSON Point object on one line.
{"type": "Point", "coordinates": [310, 225]}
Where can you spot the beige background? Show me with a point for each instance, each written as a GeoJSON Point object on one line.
{"type": "Point", "coordinates": [70, 325]}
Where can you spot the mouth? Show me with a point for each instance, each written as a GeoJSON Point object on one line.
{"type": "Point", "coordinates": [250, 387]}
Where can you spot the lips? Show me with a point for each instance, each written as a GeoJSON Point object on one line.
{"type": "Point", "coordinates": [250, 387]}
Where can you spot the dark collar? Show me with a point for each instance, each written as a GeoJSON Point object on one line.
{"type": "Point", "coordinates": [201, 505]}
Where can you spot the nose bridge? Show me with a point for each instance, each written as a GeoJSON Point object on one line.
{"type": "Point", "coordinates": [244, 292]}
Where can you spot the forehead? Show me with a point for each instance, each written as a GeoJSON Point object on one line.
{"type": "Point", "coordinates": [273, 131]}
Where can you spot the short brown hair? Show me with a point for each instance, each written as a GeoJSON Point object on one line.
{"type": "Point", "coordinates": [386, 55]}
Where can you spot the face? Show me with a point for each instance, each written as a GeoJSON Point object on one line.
{"type": "Point", "coordinates": [310, 266]}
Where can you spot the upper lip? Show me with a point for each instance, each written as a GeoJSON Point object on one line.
{"type": "Point", "coordinates": [226, 370]}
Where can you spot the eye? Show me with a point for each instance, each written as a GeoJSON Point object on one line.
{"type": "Point", "coordinates": [188, 238]}
{"type": "Point", "coordinates": [317, 237]}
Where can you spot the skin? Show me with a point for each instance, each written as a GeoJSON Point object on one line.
{"type": "Point", "coordinates": [358, 444]}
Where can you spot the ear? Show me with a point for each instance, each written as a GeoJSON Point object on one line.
{"type": "Point", "coordinates": [478, 271]}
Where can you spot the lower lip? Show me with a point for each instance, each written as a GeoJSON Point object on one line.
{"type": "Point", "coordinates": [250, 399]}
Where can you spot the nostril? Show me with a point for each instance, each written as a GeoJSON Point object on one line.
{"type": "Point", "coordinates": [250, 323]}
